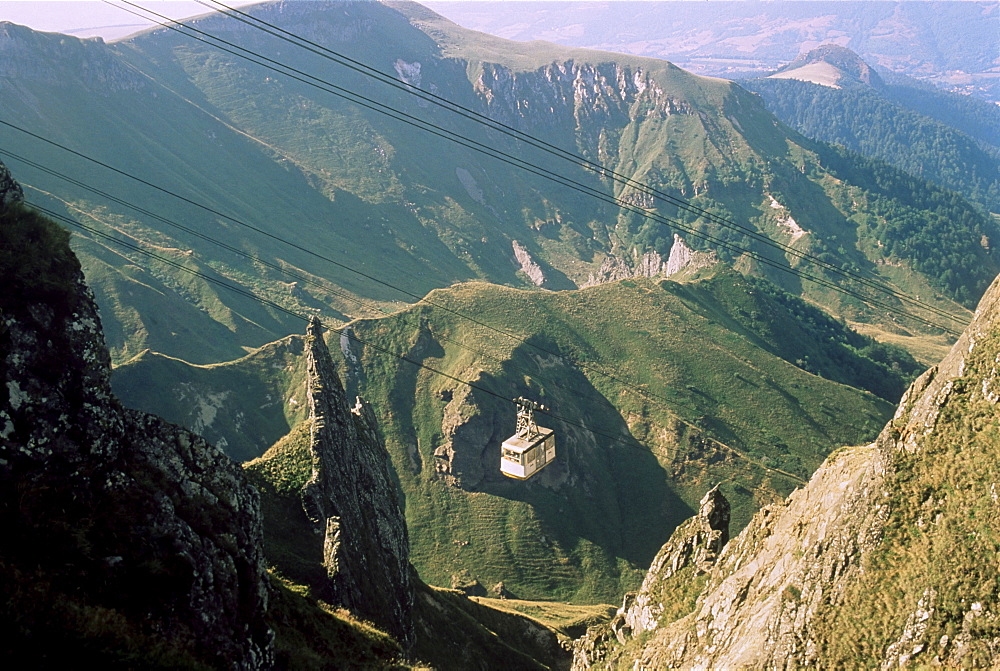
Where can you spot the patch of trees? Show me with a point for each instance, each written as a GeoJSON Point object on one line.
{"type": "Point", "coordinates": [863, 120]}
{"type": "Point", "coordinates": [941, 234]}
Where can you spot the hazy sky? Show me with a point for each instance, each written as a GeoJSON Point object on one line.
{"type": "Point", "coordinates": [88, 18]}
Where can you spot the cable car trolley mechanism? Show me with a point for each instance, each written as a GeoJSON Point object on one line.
{"type": "Point", "coordinates": [531, 448]}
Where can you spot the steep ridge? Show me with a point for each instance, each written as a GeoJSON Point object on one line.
{"type": "Point", "coordinates": [342, 181]}
{"type": "Point", "coordinates": [128, 540]}
{"type": "Point", "coordinates": [332, 516]}
{"type": "Point", "coordinates": [886, 557]}
{"type": "Point", "coordinates": [831, 94]}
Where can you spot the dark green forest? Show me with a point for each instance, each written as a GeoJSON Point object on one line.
{"type": "Point", "coordinates": [901, 128]}
{"type": "Point", "coordinates": [952, 242]}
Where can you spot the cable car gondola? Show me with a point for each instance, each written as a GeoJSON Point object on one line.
{"type": "Point", "coordinates": [531, 448]}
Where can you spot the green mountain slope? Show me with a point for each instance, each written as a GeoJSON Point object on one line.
{"type": "Point", "coordinates": [691, 399]}
{"type": "Point", "coordinates": [243, 406]}
{"type": "Point", "coordinates": [658, 389]}
{"type": "Point", "coordinates": [352, 190]}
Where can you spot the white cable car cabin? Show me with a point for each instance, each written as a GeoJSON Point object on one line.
{"type": "Point", "coordinates": [531, 448]}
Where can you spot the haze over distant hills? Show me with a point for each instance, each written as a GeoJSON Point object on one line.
{"type": "Point", "coordinates": [952, 44]}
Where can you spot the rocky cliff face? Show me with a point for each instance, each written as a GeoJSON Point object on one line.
{"type": "Point", "coordinates": [121, 531]}
{"type": "Point", "coordinates": [585, 92]}
{"type": "Point", "coordinates": [691, 552]}
{"type": "Point", "coordinates": [652, 264]}
{"type": "Point", "coordinates": [885, 558]}
{"type": "Point", "coordinates": [10, 191]}
{"type": "Point", "coordinates": [351, 501]}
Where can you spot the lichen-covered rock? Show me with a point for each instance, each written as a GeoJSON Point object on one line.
{"type": "Point", "coordinates": [352, 501]}
{"type": "Point", "coordinates": [130, 531]}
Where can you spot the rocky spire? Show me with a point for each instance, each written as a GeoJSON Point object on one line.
{"type": "Point", "coordinates": [351, 498]}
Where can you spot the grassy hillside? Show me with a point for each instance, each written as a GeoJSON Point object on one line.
{"type": "Point", "coordinates": [243, 406]}
{"type": "Point", "coordinates": [658, 390]}
{"type": "Point", "coordinates": [940, 542]}
{"type": "Point", "coordinates": [310, 634]}
{"type": "Point", "coordinates": [692, 398]}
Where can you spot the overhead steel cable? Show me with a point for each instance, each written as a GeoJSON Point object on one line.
{"type": "Point", "coordinates": [437, 334]}
{"type": "Point", "coordinates": [345, 331]}
{"type": "Point", "coordinates": [601, 195]}
{"type": "Point", "coordinates": [419, 299]}
{"type": "Point", "coordinates": [591, 368]}
{"type": "Point", "coordinates": [626, 384]}
{"type": "Point", "coordinates": [523, 164]}
{"type": "Point", "coordinates": [256, 259]}
{"type": "Point", "coordinates": [187, 229]}
{"type": "Point", "coordinates": [555, 150]}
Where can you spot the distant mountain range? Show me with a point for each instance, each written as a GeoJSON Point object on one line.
{"type": "Point", "coordinates": [831, 94]}
{"type": "Point", "coordinates": [952, 44]}
{"type": "Point", "coordinates": [356, 213]}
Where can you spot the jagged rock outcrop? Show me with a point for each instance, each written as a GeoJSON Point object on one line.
{"type": "Point", "coordinates": [856, 567]}
{"type": "Point", "coordinates": [352, 502]}
{"type": "Point", "coordinates": [123, 534]}
{"type": "Point", "coordinates": [613, 268]}
{"type": "Point", "coordinates": [694, 545]}
{"type": "Point", "coordinates": [683, 257]}
{"type": "Point", "coordinates": [651, 264]}
{"type": "Point", "coordinates": [468, 433]}
{"type": "Point", "coordinates": [583, 90]}
{"type": "Point", "coordinates": [528, 264]}
{"type": "Point", "coordinates": [10, 190]}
